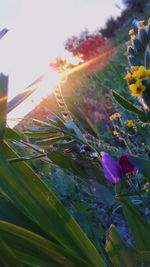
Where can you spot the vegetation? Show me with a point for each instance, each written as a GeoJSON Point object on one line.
{"type": "Point", "coordinates": [75, 188]}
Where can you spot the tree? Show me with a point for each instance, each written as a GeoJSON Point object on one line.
{"type": "Point", "coordinates": [136, 5]}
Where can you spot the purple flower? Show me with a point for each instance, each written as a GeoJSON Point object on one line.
{"type": "Point", "coordinates": [3, 32]}
{"type": "Point", "coordinates": [112, 170]}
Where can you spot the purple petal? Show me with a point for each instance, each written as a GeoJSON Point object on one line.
{"type": "Point", "coordinates": [3, 32]}
{"type": "Point", "coordinates": [112, 170]}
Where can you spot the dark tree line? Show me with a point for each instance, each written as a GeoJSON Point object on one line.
{"type": "Point", "coordinates": [132, 7]}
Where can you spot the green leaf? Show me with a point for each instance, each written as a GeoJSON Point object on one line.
{"type": "Point", "coordinates": [140, 192]}
{"type": "Point", "coordinates": [142, 255]}
{"type": "Point", "coordinates": [31, 248]}
{"type": "Point", "coordinates": [64, 161]}
{"type": "Point", "coordinates": [40, 123]}
{"type": "Point", "coordinates": [50, 141]}
{"type": "Point", "coordinates": [82, 169]}
{"type": "Point", "coordinates": [42, 129]}
{"type": "Point", "coordinates": [139, 228]}
{"type": "Point", "coordinates": [7, 257]}
{"type": "Point", "coordinates": [37, 202]}
{"type": "Point", "coordinates": [17, 100]}
{"type": "Point", "coordinates": [142, 165]}
{"type": "Point", "coordinates": [129, 106]}
{"type": "Point", "coordinates": [3, 103]}
{"type": "Point", "coordinates": [71, 125]}
{"type": "Point", "coordinates": [11, 134]}
{"type": "Point", "coordinates": [9, 212]}
{"type": "Point", "coordinates": [40, 134]}
{"type": "Point", "coordinates": [117, 250]}
{"type": "Point", "coordinates": [26, 158]}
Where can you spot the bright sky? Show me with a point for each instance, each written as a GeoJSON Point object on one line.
{"type": "Point", "coordinates": [38, 29]}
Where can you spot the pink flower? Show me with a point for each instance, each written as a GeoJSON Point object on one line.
{"type": "Point", "coordinates": [125, 164]}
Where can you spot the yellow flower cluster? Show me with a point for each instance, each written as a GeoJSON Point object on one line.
{"type": "Point", "coordinates": [141, 73]}
{"type": "Point", "coordinates": [140, 27]}
{"type": "Point", "coordinates": [130, 124]}
{"type": "Point", "coordinates": [114, 116]}
{"type": "Point", "coordinates": [135, 78]}
{"type": "Point", "coordinates": [137, 88]}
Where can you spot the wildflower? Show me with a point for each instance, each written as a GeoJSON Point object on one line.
{"type": "Point", "coordinates": [125, 164]}
{"type": "Point", "coordinates": [84, 148]}
{"type": "Point", "coordinates": [130, 124]}
{"type": "Point", "coordinates": [132, 34]}
{"type": "Point", "coordinates": [129, 77]}
{"type": "Point", "coordinates": [141, 25]}
{"type": "Point", "coordinates": [114, 116]}
{"type": "Point", "coordinates": [147, 186]}
{"type": "Point", "coordinates": [137, 88]}
{"type": "Point", "coordinates": [133, 68]}
{"type": "Point", "coordinates": [113, 170]}
{"type": "Point", "coordinates": [141, 73]}
{"type": "Point", "coordinates": [142, 144]}
{"type": "Point", "coordinates": [115, 133]}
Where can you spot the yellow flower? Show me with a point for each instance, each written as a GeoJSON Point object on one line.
{"type": "Point", "coordinates": [141, 73]}
{"type": "Point", "coordinates": [131, 32]}
{"type": "Point", "coordinates": [129, 77]}
{"type": "Point", "coordinates": [130, 124]}
{"type": "Point", "coordinates": [133, 68]}
{"type": "Point", "coordinates": [137, 88]}
{"type": "Point", "coordinates": [148, 21]}
{"type": "Point", "coordinates": [142, 144]}
{"type": "Point", "coordinates": [115, 133]}
{"type": "Point", "coordinates": [114, 116]}
{"type": "Point", "coordinates": [147, 186]}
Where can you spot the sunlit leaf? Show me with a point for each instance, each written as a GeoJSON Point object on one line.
{"type": "Point", "coordinates": [26, 158]}
{"type": "Point", "coordinates": [50, 141]}
{"type": "Point", "coordinates": [129, 106]}
{"type": "Point", "coordinates": [3, 103]}
{"type": "Point", "coordinates": [71, 125]}
{"type": "Point", "coordinates": [139, 228]}
{"type": "Point", "coordinates": [17, 100]}
{"type": "Point", "coordinates": [117, 250]}
{"type": "Point", "coordinates": [12, 134]}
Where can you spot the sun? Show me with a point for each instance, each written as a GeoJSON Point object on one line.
{"type": "Point", "coordinates": [43, 87]}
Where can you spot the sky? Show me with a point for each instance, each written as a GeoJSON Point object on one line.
{"type": "Point", "coordinates": [38, 29]}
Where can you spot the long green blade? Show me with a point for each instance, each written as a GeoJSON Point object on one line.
{"type": "Point", "coordinates": [25, 188]}
{"type": "Point", "coordinates": [7, 257]}
{"type": "Point", "coordinates": [31, 248]}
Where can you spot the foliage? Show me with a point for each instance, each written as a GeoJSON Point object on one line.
{"type": "Point", "coordinates": [135, 5]}
{"type": "Point", "coordinates": [86, 46]}
{"type": "Point", "coordinates": [36, 229]}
